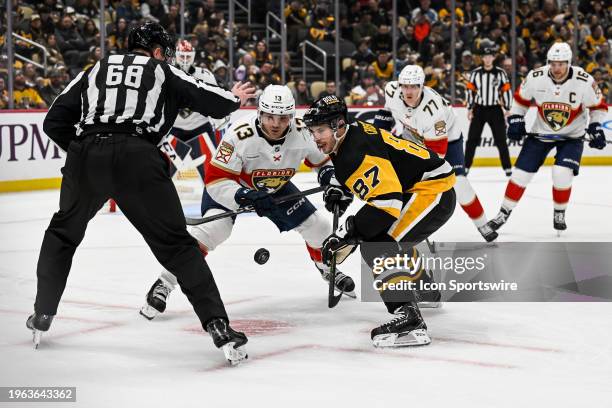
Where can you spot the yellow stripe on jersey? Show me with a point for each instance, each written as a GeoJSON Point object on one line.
{"type": "Point", "coordinates": [414, 211]}
{"type": "Point", "coordinates": [434, 186]}
{"type": "Point", "coordinates": [374, 177]}
{"type": "Point", "coordinates": [405, 145]}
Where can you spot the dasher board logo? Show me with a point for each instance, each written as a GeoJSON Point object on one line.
{"type": "Point", "coordinates": [271, 180]}
{"type": "Point", "coordinates": [556, 114]}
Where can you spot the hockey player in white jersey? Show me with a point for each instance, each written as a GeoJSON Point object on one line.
{"type": "Point", "coordinates": [252, 166]}
{"type": "Point", "coordinates": [420, 114]}
{"type": "Point", "coordinates": [565, 96]}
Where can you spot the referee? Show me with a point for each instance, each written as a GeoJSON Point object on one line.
{"type": "Point", "coordinates": [109, 120]}
{"type": "Point", "coordinates": [488, 91]}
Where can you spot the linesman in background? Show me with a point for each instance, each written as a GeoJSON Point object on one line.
{"type": "Point", "coordinates": [109, 120]}
{"type": "Point", "coordinates": [489, 94]}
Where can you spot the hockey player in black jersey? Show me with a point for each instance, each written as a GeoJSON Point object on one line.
{"type": "Point", "coordinates": [408, 194]}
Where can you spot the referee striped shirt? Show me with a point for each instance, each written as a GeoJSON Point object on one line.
{"type": "Point", "coordinates": [131, 93]}
{"type": "Point", "coordinates": [489, 88]}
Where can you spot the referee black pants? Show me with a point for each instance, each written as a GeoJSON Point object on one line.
{"type": "Point", "coordinates": [494, 116]}
{"type": "Point", "coordinates": [133, 172]}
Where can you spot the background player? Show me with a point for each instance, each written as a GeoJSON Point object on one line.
{"type": "Point", "coordinates": [254, 164]}
{"type": "Point", "coordinates": [427, 118]}
{"type": "Point", "coordinates": [408, 191]}
{"type": "Point", "coordinates": [565, 95]}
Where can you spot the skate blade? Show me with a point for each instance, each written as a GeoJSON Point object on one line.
{"type": "Point", "coordinates": [36, 338]}
{"type": "Point", "coordinates": [234, 356]}
{"type": "Point", "coordinates": [430, 305]}
{"type": "Point", "coordinates": [148, 312]}
{"type": "Point", "coordinates": [350, 294]}
{"type": "Point", "coordinates": [417, 337]}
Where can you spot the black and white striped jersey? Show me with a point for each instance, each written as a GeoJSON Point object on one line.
{"type": "Point", "coordinates": [131, 93]}
{"type": "Point", "coordinates": [489, 88]}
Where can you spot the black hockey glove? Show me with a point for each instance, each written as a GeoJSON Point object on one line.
{"type": "Point", "coordinates": [516, 127]}
{"type": "Point", "coordinates": [598, 138]}
{"type": "Point", "coordinates": [262, 202]}
{"type": "Point", "coordinates": [334, 193]}
{"type": "Point", "coordinates": [342, 243]}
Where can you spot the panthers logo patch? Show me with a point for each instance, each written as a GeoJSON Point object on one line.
{"type": "Point", "coordinates": [556, 114]}
{"type": "Point", "coordinates": [271, 180]}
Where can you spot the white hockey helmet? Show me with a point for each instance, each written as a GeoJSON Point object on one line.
{"type": "Point", "coordinates": [559, 51]}
{"type": "Point", "coordinates": [412, 75]}
{"type": "Point", "coordinates": [277, 100]}
{"type": "Point", "coordinates": [185, 55]}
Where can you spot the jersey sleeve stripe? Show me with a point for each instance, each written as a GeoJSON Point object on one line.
{"type": "Point", "coordinates": [435, 186]}
{"type": "Point", "coordinates": [519, 99]}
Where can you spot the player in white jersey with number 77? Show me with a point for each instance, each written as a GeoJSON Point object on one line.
{"type": "Point", "coordinates": [253, 166]}
{"type": "Point", "coordinates": [565, 96]}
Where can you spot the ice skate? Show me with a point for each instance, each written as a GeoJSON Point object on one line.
{"type": "Point", "coordinates": [559, 221]}
{"type": "Point", "coordinates": [487, 232]}
{"type": "Point", "coordinates": [38, 323]}
{"type": "Point", "coordinates": [343, 283]}
{"type": "Point", "coordinates": [500, 219]}
{"type": "Point", "coordinates": [156, 300]}
{"type": "Point", "coordinates": [408, 329]}
{"type": "Point", "coordinates": [227, 339]}
{"type": "Point", "coordinates": [429, 299]}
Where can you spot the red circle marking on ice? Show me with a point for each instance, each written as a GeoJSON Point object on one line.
{"type": "Point", "coordinates": [253, 327]}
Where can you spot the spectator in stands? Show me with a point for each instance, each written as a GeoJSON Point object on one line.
{"type": "Point", "coordinates": [322, 28]}
{"type": "Point", "coordinates": [117, 38]}
{"type": "Point", "coordinates": [594, 41]}
{"type": "Point", "coordinates": [126, 9]}
{"type": "Point", "coordinates": [244, 39]}
{"type": "Point", "coordinates": [467, 62]}
{"type": "Point", "coordinates": [71, 43]}
{"type": "Point", "coordinates": [247, 71]}
{"type": "Point", "coordinates": [154, 10]}
{"type": "Point", "coordinates": [424, 11]}
{"type": "Point", "coordinates": [30, 29]}
{"type": "Point", "coordinates": [261, 54]}
{"type": "Point", "coordinates": [359, 93]}
{"type": "Point", "coordinates": [295, 18]}
{"type": "Point", "coordinates": [91, 34]}
{"type": "Point", "coordinates": [172, 20]}
{"type": "Point", "coordinates": [54, 55]}
{"type": "Point", "coordinates": [25, 96]}
{"type": "Point", "coordinates": [330, 89]}
{"type": "Point", "coordinates": [219, 70]}
{"type": "Point", "coordinates": [30, 74]}
{"type": "Point", "coordinates": [86, 9]}
{"type": "Point", "coordinates": [363, 54]}
{"type": "Point", "coordinates": [301, 93]}
{"type": "Point", "coordinates": [382, 41]}
{"type": "Point", "coordinates": [4, 100]}
{"type": "Point", "coordinates": [445, 14]}
{"type": "Point", "coordinates": [267, 75]}
{"type": "Point", "coordinates": [364, 30]}
{"type": "Point", "coordinates": [55, 86]}
{"type": "Point", "coordinates": [95, 55]}
{"type": "Point", "coordinates": [383, 67]}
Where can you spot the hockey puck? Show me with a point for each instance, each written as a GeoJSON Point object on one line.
{"type": "Point", "coordinates": [261, 256]}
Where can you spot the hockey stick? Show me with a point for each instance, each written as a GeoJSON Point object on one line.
{"type": "Point", "coordinates": [289, 197]}
{"type": "Point", "coordinates": [431, 245]}
{"type": "Point", "coordinates": [332, 300]}
{"type": "Point", "coordinates": [555, 137]}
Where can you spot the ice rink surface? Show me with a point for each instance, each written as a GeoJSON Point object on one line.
{"type": "Point", "coordinates": [301, 353]}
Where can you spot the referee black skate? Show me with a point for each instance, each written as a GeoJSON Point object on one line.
{"type": "Point", "coordinates": [109, 120]}
{"type": "Point", "coordinates": [488, 91]}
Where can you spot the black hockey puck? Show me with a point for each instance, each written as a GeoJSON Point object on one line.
{"type": "Point", "coordinates": [261, 256]}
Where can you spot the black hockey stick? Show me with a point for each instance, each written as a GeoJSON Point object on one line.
{"type": "Point", "coordinates": [332, 300]}
{"type": "Point", "coordinates": [555, 137]}
{"type": "Point", "coordinates": [289, 197]}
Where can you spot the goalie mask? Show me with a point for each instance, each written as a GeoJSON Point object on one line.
{"type": "Point", "coordinates": [185, 55]}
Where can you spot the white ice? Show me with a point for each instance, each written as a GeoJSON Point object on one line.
{"type": "Point", "coordinates": [301, 353]}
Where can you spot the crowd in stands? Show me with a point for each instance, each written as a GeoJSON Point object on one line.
{"type": "Point", "coordinates": [69, 32]}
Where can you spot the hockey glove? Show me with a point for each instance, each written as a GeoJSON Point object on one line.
{"type": "Point", "coordinates": [516, 127]}
{"type": "Point", "coordinates": [598, 138]}
{"type": "Point", "coordinates": [334, 193]}
{"type": "Point", "coordinates": [342, 243]}
{"type": "Point", "coordinates": [262, 202]}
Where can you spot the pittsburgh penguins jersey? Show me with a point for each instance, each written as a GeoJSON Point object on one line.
{"type": "Point", "coordinates": [431, 122]}
{"type": "Point", "coordinates": [384, 171]}
{"type": "Point", "coordinates": [188, 122]}
{"type": "Point", "coordinates": [245, 158]}
{"type": "Point", "coordinates": [563, 108]}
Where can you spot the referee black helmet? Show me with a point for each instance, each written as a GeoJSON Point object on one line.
{"type": "Point", "coordinates": [150, 36]}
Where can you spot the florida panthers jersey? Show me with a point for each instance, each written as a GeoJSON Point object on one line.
{"type": "Point", "coordinates": [245, 158]}
{"type": "Point", "coordinates": [432, 122]}
{"type": "Point", "coordinates": [188, 120]}
{"type": "Point", "coordinates": [563, 109]}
